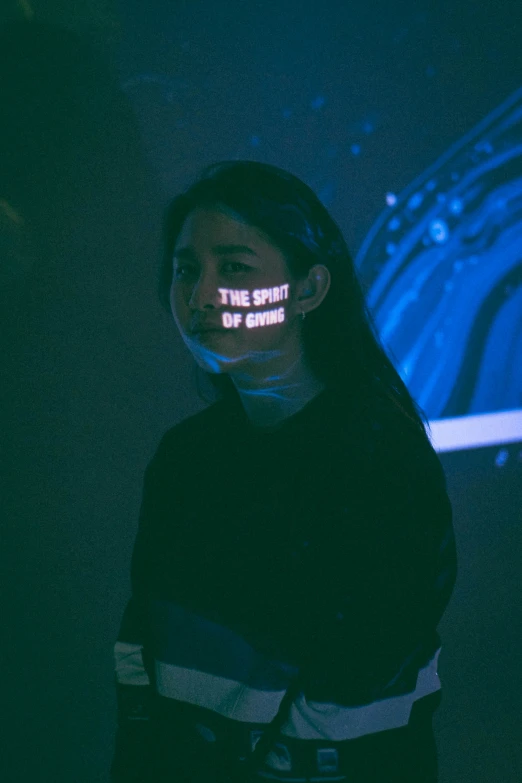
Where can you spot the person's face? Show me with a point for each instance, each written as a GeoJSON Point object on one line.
{"type": "Point", "coordinates": [215, 254]}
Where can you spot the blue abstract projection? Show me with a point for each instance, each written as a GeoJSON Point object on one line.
{"type": "Point", "coordinates": [444, 264]}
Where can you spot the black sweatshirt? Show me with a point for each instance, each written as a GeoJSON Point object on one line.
{"type": "Point", "coordinates": [290, 580]}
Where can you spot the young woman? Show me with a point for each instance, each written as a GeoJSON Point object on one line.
{"type": "Point", "coordinates": [295, 550]}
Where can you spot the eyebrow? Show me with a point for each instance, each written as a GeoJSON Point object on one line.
{"type": "Point", "coordinates": [219, 250]}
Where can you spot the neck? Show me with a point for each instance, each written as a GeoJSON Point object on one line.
{"type": "Point", "coordinates": [267, 403]}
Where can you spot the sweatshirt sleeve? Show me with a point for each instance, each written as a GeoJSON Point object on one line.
{"type": "Point", "coordinates": [387, 587]}
{"type": "Point", "coordinates": [133, 667]}
{"type": "Point", "coordinates": [368, 637]}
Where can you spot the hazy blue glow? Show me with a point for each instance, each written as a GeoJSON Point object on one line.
{"type": "Point", "coordinates": [448, 299]}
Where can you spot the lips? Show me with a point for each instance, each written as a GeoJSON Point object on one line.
{"type": "Point", "coordinates": [204, 329]}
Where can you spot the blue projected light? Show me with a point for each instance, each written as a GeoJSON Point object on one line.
{"type": "Point", "coordinates": [448, 301]}
{"type": "Point", "coordinates": [213, 358]}
{"type": "Point", "coordinates": [439, 231]}
{"type": "Point", "coordinates": [260, 297]}
{"type": "Point", "coordinates": [317, 102]}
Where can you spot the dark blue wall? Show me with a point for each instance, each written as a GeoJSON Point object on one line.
{"type": "Point", "coordinates": [105, 115]}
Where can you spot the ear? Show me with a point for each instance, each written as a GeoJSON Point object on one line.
{"type": "Point", "coordinates": [316, 286]}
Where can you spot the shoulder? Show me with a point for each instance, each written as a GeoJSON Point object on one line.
{"type": "Point", "coordinates": [400, 450]}
{"type": "Point", "coordinates": [402, 491]}
{"type": "Point", "coordinates": [191, 432]}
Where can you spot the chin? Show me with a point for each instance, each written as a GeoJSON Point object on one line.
{"type": "Point", "coordinates": [211, 366]}
{"type": "Point", "coordinates": [208, 361]}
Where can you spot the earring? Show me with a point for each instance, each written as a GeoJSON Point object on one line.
{"type": "Point", "coordinates": [306, 293]}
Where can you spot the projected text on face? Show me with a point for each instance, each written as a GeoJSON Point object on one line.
{"type": "Point", "coordinates": [260, 297]}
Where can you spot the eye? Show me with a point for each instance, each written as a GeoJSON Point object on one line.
{"type": "Point", "coordinates": [181, 268]}
{"type": "Point", "coordinates": [238, 263]}
{"type": "Point", "coordinates": [178, 270]}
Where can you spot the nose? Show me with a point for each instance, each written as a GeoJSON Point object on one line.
{"type": "Point", "coordinates": [205, 293]}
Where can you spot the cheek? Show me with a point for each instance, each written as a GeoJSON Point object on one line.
{"type": "Point", "coordinates": [176, 302]}
{"type": "Point", "coordinates": [263, 323]}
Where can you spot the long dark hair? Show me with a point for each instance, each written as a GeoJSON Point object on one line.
{"type": "Point", "coordinates": [340, 339]}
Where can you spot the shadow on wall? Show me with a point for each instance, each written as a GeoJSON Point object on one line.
{"type": "Point", "coordinates": [74, 182]}
{"type": "Point", "coordinates": [80, 338]}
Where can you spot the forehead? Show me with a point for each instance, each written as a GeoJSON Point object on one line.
{"type": "Point", "coordinates": [205, 228]}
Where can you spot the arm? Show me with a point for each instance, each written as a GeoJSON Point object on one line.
{"type": "Point", "coordinates": [133, 694]}
{"type": "Point", "coordinates": [388, 594]}
{"type": "Point", "coordinates": [383, 572]}
{"type": "Point", "coordinates": [133, 670]}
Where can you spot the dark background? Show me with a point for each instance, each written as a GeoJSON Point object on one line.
{"type": "Point", "coordinates": [107, 111]}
